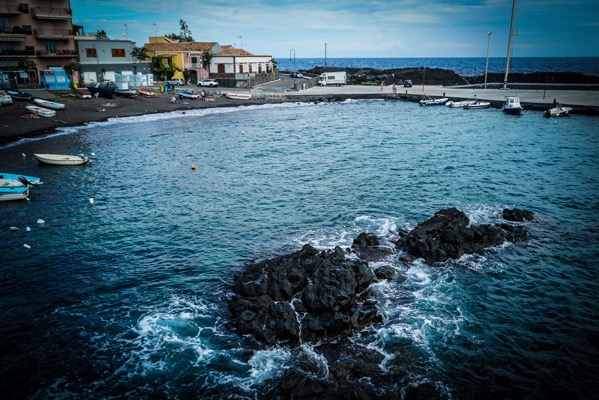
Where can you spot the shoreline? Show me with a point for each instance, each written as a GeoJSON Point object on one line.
{"type": "Point", "coordinates": [78, 112]}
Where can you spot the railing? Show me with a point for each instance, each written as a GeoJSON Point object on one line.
{"type": "Point", "coordinates": [12, 53]}
{"type": "Point", "coordinates": [13, 9]}
{"type": "Point", "coordinates": [53, 33]}
{"type": "Point", "coordinates": [16, 30]}
{"type": "Point", "coordinates": [51, 12]}
{"type": "Point", "coordinates": [57, 53]}
{"type": "Point", "coordinates": [192, 65]}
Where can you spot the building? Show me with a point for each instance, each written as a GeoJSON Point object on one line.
{"type": "Point", "coordinates": [173, 58]}
{"type": "Point", "coordinates": [35, 35]}
{"type": "Point", "coordinates": [234, 67]}
{"type": "Point", "coordinates": [231, 67]}
{"type": "Point", "coordinates": [105, 59]}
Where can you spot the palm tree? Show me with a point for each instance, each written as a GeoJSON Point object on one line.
{"type": "Point", "coordinates": [207, 59]}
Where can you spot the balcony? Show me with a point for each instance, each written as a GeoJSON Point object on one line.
{"type": "Point", "coordinates": [14, 8]}
{"type": "Point", "coordinates": [51, 13]}
{"type": "Point", "coordinates": [14, 34]}
{"type": "Point", "coordinates": [57, 53]}
{"type": "Point", "coordinates": [16, 53]}
{"type": "Point", "coordinates": [53, 33]}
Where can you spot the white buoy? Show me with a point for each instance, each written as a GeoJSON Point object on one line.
{"type": "Point", "coordinates": [26, 246]}
{"type": "Point", "coordinates": [40, 221]}
{"type": "Point", "coordinates": [93, 154]}
{"type": "Point", "coordinates": [28, 229]}
{"type": "Point", "coordinates": [23, 154]}
{"type": "Point", "coordinates": [14, 228]}
{"type": "Point", "coordinates": [91, 200]}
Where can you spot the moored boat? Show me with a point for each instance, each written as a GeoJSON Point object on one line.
{"type": "Point", "coordinates": [457, 104]}
{"type": "Point", "coordinates": [557, 111]}
{"type": "Point", "coordinates": [238, 96]}
{"type": "Point", "coordinates": [53, 104]}
{"type": "Point", "coordinates": [26, 179]}
{"type": "Point", "coordinates": [476, 104]}
{"type": "Point", "coordinates": [125, 92]}
{"type": "Point", "coordinates": [429, 101]}
{"type": "Point", "coordinates": [16, 95]}
{"type": "Point", "coordinates": [41, 111]}
{"type": "Point", "coordinates": [186, 94]}
{"type": "Point", "coordinates": [13, 189]}
{"type": "Point", "coordinates": [512, 105]}
{"type": "Point", "coordinates": [60, 159]}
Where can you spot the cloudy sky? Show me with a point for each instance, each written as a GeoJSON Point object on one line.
{"type": "Point", "coordinates": [350, 28]}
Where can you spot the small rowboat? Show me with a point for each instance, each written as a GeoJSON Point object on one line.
{"type": "Point", "coordinates": [429, 101]}
{"type": "Point", "coordinates": [146, 92]}
{"type": "Point", "coordinates": [60, 159]}
{"type": "Point", "coordinates": [238, 96]}
{"type": "Point", "coordinates": [126, 92]}
{"type": "Point", "coordinates": [188, 95]}
{"type": "Point", "coordinates": [557, 111]}
{"type": "Point", "coordinates": [26, 179]}
{"type": "Point", "coordinates": [16, 95]}
{"type": "Point", "coordinates": [13, 189]}
{"type": "Point", "coordinates": [53, 104]}
{"type": "Point", "coordinates": [477, 104]}
{"type": "Point", "coordinates": [41, 111]}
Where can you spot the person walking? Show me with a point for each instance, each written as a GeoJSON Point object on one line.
{"type": "Point", "coordinates": [382, 85]}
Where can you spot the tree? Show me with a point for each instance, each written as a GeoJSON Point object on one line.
{"type": "Point", "coordinates": [141, 53]}
{"type": "Point", "coordinates": [101, 35]}
{"type": "Point", "coordinates": [71, 68]}
{"type": "Point", "coordinates": [184, 35]}
{"type": "Point", "coordinates": [207, 59]}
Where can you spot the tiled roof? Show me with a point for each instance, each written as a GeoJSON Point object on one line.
{"type": "Point", "coordinates": [181, 46]}
{"type": "Point", "coordinates": [232, 51]}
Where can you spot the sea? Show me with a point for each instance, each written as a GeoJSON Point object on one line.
{"type": "Point", "coordinates": [463, 66]}
{"type": "Point", "coordinates": [115, 275]}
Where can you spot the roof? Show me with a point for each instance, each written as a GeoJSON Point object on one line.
{"type": "Point", "coordinates": [181, 46]}
{"type": "Point", "coordinates": [232, 51]}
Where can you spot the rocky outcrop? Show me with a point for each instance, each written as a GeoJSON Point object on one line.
{"type": "Point", "coordinates": [303, 296]}
{"type": "Point", "coordinates": [449, 235]}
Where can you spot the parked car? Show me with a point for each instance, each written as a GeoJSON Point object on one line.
{"type": "Point", "coordinates": [176, 82]}
{"type": "Point", "coordinates": [208, 83]}
{"type": "Point", "coordinates": [407, 83]}
{"type": "Point", "coordinates": [296, 75]}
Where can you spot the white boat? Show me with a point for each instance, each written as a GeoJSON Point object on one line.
{"type": "Point", "coordinates": [558, 111]}
{"type": "Point", "coordinates": [53, 104]}
{"type": "Point", "coordinates": [13, 189]}
{"type": "Point", "coordinates": [476, 104]}
{"type": "Point", "coordinates": [186, 94]}
{"type": "Point", "coordinates": [238, 96]}
{"type": "Point", "coordinates": [41, 111]}
{"type": "Point", "coordinates": [146, 92]}
{"type": "Point", "coordinates": [512, 105]}
{"type": "Point", "coordinates": [5, 98]}
{"type": "Point", "coordinates": [457, 104]}
{"type": "Point", "coordinates": [60, 159]}
{"type": "Point", "coordinates": [429, 101]}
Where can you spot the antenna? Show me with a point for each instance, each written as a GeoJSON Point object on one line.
{"type": "Point", "coordinates": [125, 33]}
{"type": "Point", "coordinates": [241, 39]}
{"type": "Point", "coordinates": [155, 28]}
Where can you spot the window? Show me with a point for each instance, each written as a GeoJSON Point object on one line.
{"type": "Point", "coordinates": [24, 8]}
{"type": "Point", "coordinates": [118, 52]}
{"type": "Point", "coordinates": [50, 46]}
{"type": "Point", "coordinates": [91, 53]}
{"type": "Point", "coordinates": [26, 29]}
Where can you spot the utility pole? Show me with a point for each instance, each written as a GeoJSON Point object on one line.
{"type": "Point", "coordinates": [509, 45]}
{"type": "Point", "coordinates": [325, 57]}
{"type": "Point", "coordinates": [293, 65]}
{"type": "Point", "coordinates": [487, 66]}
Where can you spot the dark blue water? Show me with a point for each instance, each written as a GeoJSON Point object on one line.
{"type": "Point", "coordinates": [126, 296]}
{"type": "Point", "coordinates": [468, 66]}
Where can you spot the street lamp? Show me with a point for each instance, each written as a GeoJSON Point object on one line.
{"type": "Point", "coordinates": [293, 65]}
{"type": "Point", "coordinates": [487, 66]}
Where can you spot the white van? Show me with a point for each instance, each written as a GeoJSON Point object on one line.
{"type": "Point", "coordinates": [332, 78]}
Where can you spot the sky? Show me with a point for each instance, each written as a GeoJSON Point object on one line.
{"type": "Point", "coordinates": [360, 29]}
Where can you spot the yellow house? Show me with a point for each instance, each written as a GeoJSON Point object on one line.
{"type": "Point", "coordinates": [181, 56]}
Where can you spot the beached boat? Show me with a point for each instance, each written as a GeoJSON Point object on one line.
{"type": "Point", "coordinates": [429, 101]}
{"type": "Point", "coordinates": [238, 96]}
{"type": "Point", "coordinates": [41, 111]}
{"type": "Point", "coordinates": [5, 98]}
{"type": "Point", "coordinates": [457, 104]}
{"type": "Point", "coordinates": [125, 92]}
{"type": "Point", "coordinates": [146, 92]}
{"type": "Point", "coordinates": [512, 105]}
{"type": "Point", "coordinates": [53, 104]}
{"type": "Point", "coordinates": [557, 111]}
{"type": "Point", "coordinates": [186, 94]}
{"type": "Point", "coordinates": [16, 95]}
{"type": "Point", "coordinates": [476, 104]}
{"type": "Point", "coordinates": [102, 89]}
{"type": "Point", "coordinates": [60, 159]}
{"type": "Point", "coordinates": [26, 179]}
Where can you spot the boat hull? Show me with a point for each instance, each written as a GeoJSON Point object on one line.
{"type": "Point", "coordinates": [14, 196]}
{"type": "Point", "coordinates": [146, 92]}
{"type": "Point", "coordinates": [475, 105]}
{"type": "Point", "coordinates": [238, 96]}
{"type": "Point", "coordinates": [54, 105]}
{"type": "Point", "coordinates": [19, 95]}
{"type": "Point", "coordinates": [41, 111]}
{"type": "Point", "coordinates": [33, 180]}
{"type": "Point", "coordinates": [513, 110]}
{"type": "Point", "coordinates": [60, 159]}
{"type": "Point", "coordinates": [434, 102]}
{"type": "Point", "coordinates": [558, 112]}
{"type": "Point", "coordinates": [106, 91]}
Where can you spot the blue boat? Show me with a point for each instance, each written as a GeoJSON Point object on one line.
{"type": "Point", "coordinates": [16, 95]}
{"type": "Point", "coordinates": [102, 89]}
{"type": "Point", "coordinates": [26, 179]}
{"type": "Point", "coordinates": [12, 189]}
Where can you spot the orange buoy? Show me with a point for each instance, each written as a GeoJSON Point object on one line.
{"type": "Point", "coordinates": [193, 167]}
